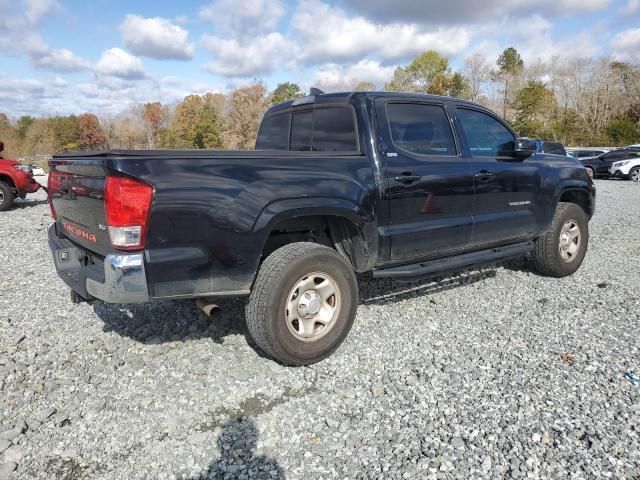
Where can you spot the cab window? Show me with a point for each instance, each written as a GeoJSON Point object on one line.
{"type": "Point", "coordinates": [486, 136]}
{"type": "Point", "coordinates": [421, 128]}
{"type": "Point", "coordinates": [274, 133]}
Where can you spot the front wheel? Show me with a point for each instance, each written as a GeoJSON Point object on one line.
{"type": "Point", "coordinates": [303, 303]}
{"type": "Point", "coordinates": [6, 197]}
{"type": "Point", "coordinates": [634, 174]}
{"type": "Point", "coordinates": [561, 250]}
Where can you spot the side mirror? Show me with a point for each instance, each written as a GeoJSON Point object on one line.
{"type": "Point", "coordinates": [524, 147]}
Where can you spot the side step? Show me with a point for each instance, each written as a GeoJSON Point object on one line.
{"type": "Point", "coordinates": [429, 268]}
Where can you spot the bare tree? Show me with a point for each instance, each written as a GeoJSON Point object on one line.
{"type": "Point", "coordinates": [478, 72]}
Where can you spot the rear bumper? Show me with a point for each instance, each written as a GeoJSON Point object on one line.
{"type": "Point", "coordinates": [118, 278]}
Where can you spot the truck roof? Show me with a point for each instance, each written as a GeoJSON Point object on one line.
{"type": "Point", "coordinates": [345, 97]}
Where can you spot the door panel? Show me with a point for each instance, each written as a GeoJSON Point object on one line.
{"type": "Point", "coordinates": [428, 186]}
{"type": "Point", "coordinates": [505, 187]}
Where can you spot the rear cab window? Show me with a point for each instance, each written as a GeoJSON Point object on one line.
{"type": "Point", "coordinates": [321, 129]}
{"type": "Point", "coordinates": [274, 132]}
{"type": "Point", "coordinates": [301, 131]}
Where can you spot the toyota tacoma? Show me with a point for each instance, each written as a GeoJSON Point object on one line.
{"type": "Point", "coordinates": [394, 185]}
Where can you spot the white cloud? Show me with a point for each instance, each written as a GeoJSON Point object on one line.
{"type": "Point", "coordinates": [339, 37]}
{"type": "Point", "coordinates": [37, 10]}
{"type": "Point", "coordinates": [156, 38]}
{"type": "Point", "coordinates": [59, 82]}
{"type": "Point", "coordinates": [631, 7]}
{"type": "Point", "coordinates": [19, 24]}
{"type": "Point", "coordinates": [532, 36]}
{"type": "Point", "coordinates": [25, 96]}
{"type": "Point", "coordinates": [115, 62]}
{"type": "Point", "coordinates": [626, 45]}
{"type": "Point", "coordinates": [261, 55]}
{"type": "Point", "coordinates": [60, 60]}
{"type": "Point", "coordinates": [244, 17]}
{"type": "Point", "coordinates": [333, 77]}
{"type": "Point", "coordinates": [462, 11]}
{"type": "Point", "coordinates": [11, 87]}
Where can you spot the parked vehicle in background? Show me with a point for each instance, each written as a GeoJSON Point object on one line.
{"type": "Point", "coordinates": [637, 145]}
{"type": "Point", "coordinates": [16, 181]}
{"type": "Point", "coordinates": [581, 153]}
{"type": "Point", "coordinates": [601, 164]}
{"type": "Point", "coordinates": [394, 185]}
{"type": "Point", "coordinates": [553, 148]}
{"type": "Point", "coordinates": [37, 171]}
{"type": "Point", "coordinates": [629, 169]}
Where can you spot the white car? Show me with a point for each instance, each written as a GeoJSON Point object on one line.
{"type": "Point", "coordinates": [626, 169]}
{"type": "Point", "coordinates": [37, 170]}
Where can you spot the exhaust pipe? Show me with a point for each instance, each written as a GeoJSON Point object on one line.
{"type": "Point", "coordinates": [209, 309]}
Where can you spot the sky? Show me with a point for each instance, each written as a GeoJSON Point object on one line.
{"type": "Point", "coordinates": [62, 57]}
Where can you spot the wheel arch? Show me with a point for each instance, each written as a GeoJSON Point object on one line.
{"type": "Point", "coordinates": [7, 179]}
{"type": "Point", "coordinates": [337, 223]}
{"type": "Point", "coordinates": [579, 196]}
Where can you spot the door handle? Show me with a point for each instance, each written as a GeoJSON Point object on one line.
{"type": "Point", "coordinates": [407, 178]}
{"type": "Point", "coordinates": [484, 175]}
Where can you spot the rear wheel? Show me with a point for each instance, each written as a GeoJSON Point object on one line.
{"type": "Point", "coordinates": [634, 174]}
{"type": "Point", "coordinates": [561, 250]}
{"type": "Point", "coordinates": [303, 303]}
{"type": "Point", "coordinates": [6, 197]}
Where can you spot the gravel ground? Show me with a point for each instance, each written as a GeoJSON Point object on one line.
{"type": "Point", "coordinates": [494, 373]}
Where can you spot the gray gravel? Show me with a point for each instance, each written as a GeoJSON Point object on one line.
{"type": "Point", "coordinates": [494, 373]}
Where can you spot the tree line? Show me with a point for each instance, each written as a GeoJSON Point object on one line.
{"type": "Point", "coordinates": [576, 101]}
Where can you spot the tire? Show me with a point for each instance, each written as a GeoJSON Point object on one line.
{"type": "Point", "coordinates": [559, 253]}
{"type": "Point", "coordinates": [6, 197]}
{"type": "Point", "coordinates": [634, 174]}
{"type": "Point", "coordinates": [291, 303]}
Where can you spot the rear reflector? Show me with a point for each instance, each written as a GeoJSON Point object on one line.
{"type": "Point", "coordinates": [127, 207]}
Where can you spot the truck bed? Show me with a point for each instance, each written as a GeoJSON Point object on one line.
{"type": "Point", "coordinates": [212, 210]}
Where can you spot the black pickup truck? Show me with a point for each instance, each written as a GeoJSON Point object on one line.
{"type": "Point", "coordinates": [385, 184]}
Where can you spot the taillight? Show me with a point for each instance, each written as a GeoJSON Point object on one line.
{"type": "Point", "coordinates": [53, 184]}
{"type": "Point", "coordinates": [127, 207]}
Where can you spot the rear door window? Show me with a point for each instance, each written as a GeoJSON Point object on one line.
{"type": "Point", "coordinates": [329, 129]}
{"type": "Point", "coordinates": [420, 128]}
{"type": "Point", "coordinates": [274, 133]}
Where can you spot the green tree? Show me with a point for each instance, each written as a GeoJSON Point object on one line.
{"type": "Point", "coordinates": [196, 124]}
{"type": "Point", "coordinates": [67, 133]}
{"type": "Point", "coordinates": [534, 103]}
{"type": "Point", "coordinates": [459, 86]}
{"type": "Point", "coordinates": [23, 125]}
{"type": "Point", "coordinates": [510, 65]}
{"type": "Point", "coordinates": [427, 73]}
{"type": "Point", "coordinates": [623, 131]}
{"type": "Point", "coordinates": [285, 91]}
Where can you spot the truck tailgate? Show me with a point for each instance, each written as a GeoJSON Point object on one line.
{"type": "Point", "coordinates": [76, 190]}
